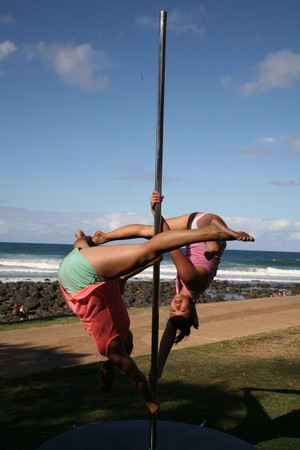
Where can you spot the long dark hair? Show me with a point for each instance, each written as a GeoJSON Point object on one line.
{"type": "Point", "coordinates": [184, 324]}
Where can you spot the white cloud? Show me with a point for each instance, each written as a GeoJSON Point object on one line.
{"type": "Point", "coordinates": [296, 235]}
{"type": "Point", "coordinates": [270, 234]}
{"type": "Point", "coordinates": [23, 225]}
{"type": "Point", "coordinates": [251, 150]}
{"type": "Point", "coordinates": [131, 172]}
{"type": "Point", "coordinates": [178, 21]}
{"type": "Point", "coordinates": [294, 141]}
{"type": "Point", "coordinates": [278, 70]}
{"type": "Point", "coordinates": [226, 82]}
{"type": "Point", "coordinates": [76, 65]}
{"type": "Point", "coordinates": [295, 182]}
{"type": "Point", "coordinates": [7, 20]}
{"type": "Point", "coordinates": [279, 224]}
{"type": "Point", "coordinates": [6, 49]}
{"type": "Point", "coordinates": [269, 140]}
{"type": "Point", "coordinates": [182, 22]}
{"type": "Point", "coordinates": [147, 22]}
{"type": "Point", "coordinates": [287, 145]}
{"type": "Point", "coordinates": [291, 142]}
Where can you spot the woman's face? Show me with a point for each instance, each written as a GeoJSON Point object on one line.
{"type": "Point", "coordinates": [180, 306]}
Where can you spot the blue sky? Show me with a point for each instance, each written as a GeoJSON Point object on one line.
{"type": "Point", "coordinates": [78, 89]}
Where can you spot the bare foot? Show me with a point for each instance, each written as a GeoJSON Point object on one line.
{"type": "Point", "coordinates": [99, 238]}
{"type": "Point", "coordinates": [226, 234]}
{"type": "Point", "coordinates": [153, 407]}
{"type": "Point", "coordinates": [83, 240]}
{"type": "Point", "coordinates": [79, 234]}
{"type": "Point", "coordinates": [242, 236]}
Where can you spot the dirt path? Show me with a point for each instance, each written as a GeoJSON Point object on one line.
{"type": "Point", "coordinates": [33, 350]}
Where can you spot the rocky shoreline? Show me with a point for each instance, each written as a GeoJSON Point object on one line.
{"type": "Point", "coordinates": [44, 300]}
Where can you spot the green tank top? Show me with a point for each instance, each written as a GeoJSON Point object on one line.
{"type": "Point", "coordinates": [76, 272]}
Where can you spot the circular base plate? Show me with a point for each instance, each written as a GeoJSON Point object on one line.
{"type": "Point", "coordinates": [135, 435]}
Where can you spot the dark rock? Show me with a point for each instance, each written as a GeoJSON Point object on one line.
{"type": "Point", "coordinates": [44, 300]}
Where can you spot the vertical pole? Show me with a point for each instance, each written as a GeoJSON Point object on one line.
{"type": "Point", "coordinates": [157, 215]}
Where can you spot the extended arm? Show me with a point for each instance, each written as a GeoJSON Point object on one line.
{"type": "Point", "coordinates": [119, 357]}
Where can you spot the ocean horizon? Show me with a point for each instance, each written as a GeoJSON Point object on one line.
{"type": "Point", "coordinates": [40, 262]}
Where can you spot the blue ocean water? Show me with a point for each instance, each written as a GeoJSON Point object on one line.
{"type": "Point", "coordinates": [37, 262]}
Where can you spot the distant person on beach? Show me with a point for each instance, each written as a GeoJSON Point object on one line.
{"type": "Point", "coordinates": [22, 312]}
{"type": "Point", "coordinates": [92, 279]}
{"type": "Point", "coordinates": [196, 268]}
{"type": "Point", "coordinates": [19, 311]}
{"type": "Point", "coordinates": [15, 310]}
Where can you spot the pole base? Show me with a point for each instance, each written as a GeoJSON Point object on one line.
{"type": "Point", "coordinates": [135, 435]}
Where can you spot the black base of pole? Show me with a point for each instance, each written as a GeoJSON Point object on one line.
{"type": "Point", "coordinates": [134, 435]}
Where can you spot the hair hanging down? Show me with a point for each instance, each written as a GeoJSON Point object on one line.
{"type": "Point", "coordinates": [184, 324]}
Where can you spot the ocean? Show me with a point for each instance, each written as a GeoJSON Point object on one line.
{"type": "Point", "coordinates": [40, 262]}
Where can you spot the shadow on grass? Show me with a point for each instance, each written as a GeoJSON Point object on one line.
{"type": "Point", "coordinates": [259, 425]}
{"type": "Point", "coordinates": [237, 412]}
{"type": "Point", "coordinates": [38, 407]}
{"type": "Point", "coordinates": [30, 360]}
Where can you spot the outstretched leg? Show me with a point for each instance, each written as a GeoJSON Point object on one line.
{"type": "Point", "coordinates": [212, 246]}
{"type": "Point", "coordinates": [131, 231]}
{"type": "Point", "coordinates": [117, 260]}
{"type": "Point", "coordinates": [217, 221]}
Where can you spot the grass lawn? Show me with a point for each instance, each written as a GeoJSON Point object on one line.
{"type": "Point", "coordinates": [246, 387]}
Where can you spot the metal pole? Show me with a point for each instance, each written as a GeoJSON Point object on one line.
{"type": "Point", "coordinates": [157, 214]}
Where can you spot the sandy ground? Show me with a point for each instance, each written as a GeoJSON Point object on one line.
{"type": "Point", "coordinates": [23, 352]}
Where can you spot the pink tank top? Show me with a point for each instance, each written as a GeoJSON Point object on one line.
{"type": "Point", "coordinates": [102, 311]}
{"type": "Point", "coordinates": [195, 253]}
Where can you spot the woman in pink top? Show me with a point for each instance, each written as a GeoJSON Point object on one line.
{"type": "Point", "coordinates": [195, 269]}
{"type": "Point", "coordinates": [92, 278]}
